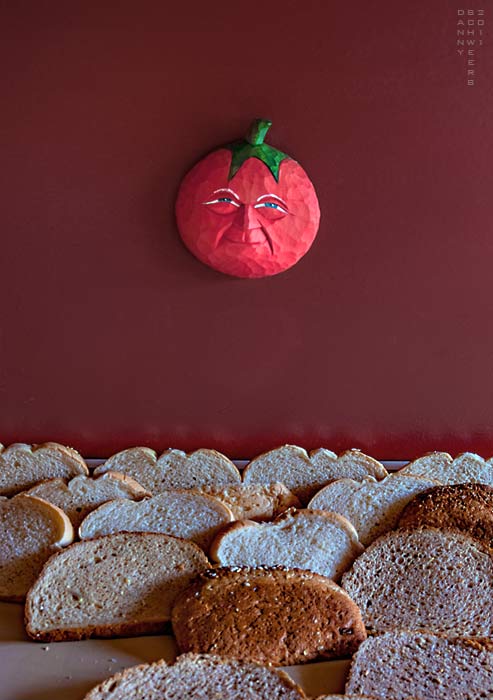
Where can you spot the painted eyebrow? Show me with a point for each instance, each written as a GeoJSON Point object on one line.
{"type": "Point", "coordinates": [274, 196]}
{"type": "Point", "coordinates": [226, 189]}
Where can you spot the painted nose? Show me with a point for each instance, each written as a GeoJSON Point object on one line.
{"type": "Point", "coordinates": [249, 216]}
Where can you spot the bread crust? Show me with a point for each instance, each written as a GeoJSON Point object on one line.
{"type": "Point", "coordinates": [270, 615]}
{"type": "Point", "coordinates": [183, 663]}
{"type": "Point", "coordinates": [465, 507]}
{"type": "Point", "coordinates": [90, 629]}
{"type": "Point", "coordinates": [341, 564]}
{"type": "Point", "coordinates": [9, 471]}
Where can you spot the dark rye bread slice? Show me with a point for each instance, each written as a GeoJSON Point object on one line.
{"type": "Point", "coordinates": [424, 579]}
{"type": "Point", "coordinates": [198, 677]}
{"type": "Point", "coordinates": [465, 507]}
{"type": "Point", "coordinates": [408, 665]}
{"type": "Point", "coordinates": [270, 615]}
{"type": "Point", "coordinates": [118, 585]}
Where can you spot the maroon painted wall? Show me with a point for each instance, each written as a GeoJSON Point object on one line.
{"type": "Point", "coordinates": [112, 334]}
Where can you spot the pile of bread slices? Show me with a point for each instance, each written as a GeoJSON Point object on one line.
{"type": "Point", "coordinates": [303, 556]}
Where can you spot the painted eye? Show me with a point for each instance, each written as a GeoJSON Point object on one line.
{"type": "Point", "coordinates": [271, 205]}
{"type": "Point", "coordinates": [223, 200]}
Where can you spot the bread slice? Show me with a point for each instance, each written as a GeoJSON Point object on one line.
{"type": "Point", "coordinates": [424, 579]}
{"type": "Point", "coordinates": [325, 543]}
{"type": "Point", "coordinates": [373, 507]}
{"type": "Point", "coordinates": [254, 501]}
{"type": "Point", "coordinates": [22, 466]}
{"type": "Point", "coordinates": [407, 665]}
{"type": "Point", "coordinates": [341, 697]}
{"type": "Point", "coordinates": [118, 585]}
{"type": "Point", "coordinates": [271, 615]}
{"type": "Point", "coordinates": [174, 469]}
{"type": "Point", "coordinates": [201, 677]}
{"type": "Point", "coordinates": [304, 474]}
{"type": "Point", "coordinates": [82, 494]}
{"type": "Point", "coordinates": [31, 530]}
{"type": "Point", "coordinates": [464, 468]}
{"type": "Point", "coordinates": [192, 516]}
{"type": "Point", "coordinates": [464, 507]}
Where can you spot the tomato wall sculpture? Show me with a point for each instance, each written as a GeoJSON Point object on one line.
{"type": "Point", "coordinates": [247, 209]}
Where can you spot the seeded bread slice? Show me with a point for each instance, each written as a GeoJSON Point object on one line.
{"type": "Point", "coordinates": [31, 530]}
{"type": "Point", "coordinates": [192, 516]}
{"type": "Point", "coordinates": [325, 543]}
{"type": "Point", "coordinates": [304, 474]}
{"type": "Point", "coordinates": [424, 579]}
{"type": "Point", "coordinates": [118, 585]}
{"type": "Point", "coordinates": [82, 494]}
{"type": "Point", "coordinates": [254, 501]}
{"type": "Point", "coordinates": [201, 677]}
{"type": "Point", "coordinates": [373, 507]}
{"type": "Point", "coordinates": [270, 615]}
{"type": "Point", "coordinates": [23, 466]}
{"type": "Point", "coordinates": [423, 667]}
{"type": "Point", "coordinates": [174, 469]}
{"type": "Point", "coordinates": [465, 507]}
{"type": "Point", "coordinates": [464, 468]}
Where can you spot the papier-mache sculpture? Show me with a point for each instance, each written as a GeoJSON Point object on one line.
{"type": "Point", "coordinates": [247, 209]}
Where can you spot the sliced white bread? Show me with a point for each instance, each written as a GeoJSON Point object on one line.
{"type": "Point", "coordinates": [22, 466]}
{"type": "Point", "coordinates": [31, 530]}
{"type": "Point", "coordinates": [408, 665]}
{"type": "Point", "coordinates": [254, 501]}
{"type": "Point", "coordinates": [424, 579]}
{"type": "Point", "coordinates": [464, 468]}
{"type": "Point", "coordinates": [201, 677]}
{"type": "Point", "coordinates": [118, 585]}
{"type": "Point", "coordinates": [174, 469]}
{"type": "Point", "coordinates": [373, 507]}
{"type": "Point", "coordinates": [269, 615]}
{"type": "Point", "coordinates": [83, 494]}
{"type": "Point", "coordinates": [325, 543]}
{"type": "Point", "coordinates": [191, 516]}
{"type": "Point", "coordinates": [304, 474]}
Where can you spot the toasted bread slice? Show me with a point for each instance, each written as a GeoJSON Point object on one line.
{"type": "Point", "coordinates": [407, 665]}
{"type": "Point", "coordinates": [82, 494]}
{"type": "Point", "coordinates": [465, 507]}
{"type": "Point", "coordinates": [270, 615]}
{"type": "Point", "coordinates": [174, 469]}
{"type": "Point", "coordinates": [424, 579]}
{"type": "Point", "coordinates": [118, 585]}
{"type": "Point", "coordinates": [304, 474]}
{"type": "Point", "coordinates": [31, 530]}
{"type": "Point", "coordinates": [192, 516]}
{"type": "Point", "coordinates": [254, 501]}
{"type": "Point", "coordinates": [325, 543]}
{"type": "Point", "coordinates": [373, 507]}
{"type": "Point", "coordinates": [465, 468]}
{"type": "Point", "coordinates": [23, 466]}
{"type": "Point", "coordinates": [201, 677]}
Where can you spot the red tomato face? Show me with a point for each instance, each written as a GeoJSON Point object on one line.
{"type": "Point", "coordinates": [250, 225]}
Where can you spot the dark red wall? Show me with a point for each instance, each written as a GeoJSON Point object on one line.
{"type": "Point", "coordinates": [112, 334]}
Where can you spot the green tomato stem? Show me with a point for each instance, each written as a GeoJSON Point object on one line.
{"type": "Point", "coordinates": [257, 131]}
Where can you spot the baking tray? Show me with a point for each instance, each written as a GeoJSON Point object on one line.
{"type": "Point", "coordinates": [68, 670]}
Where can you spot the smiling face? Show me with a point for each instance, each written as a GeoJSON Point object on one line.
{"type": "Point", "coordinates": [250, 225]}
